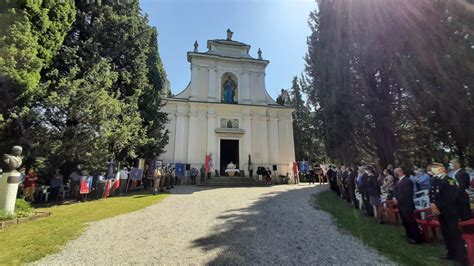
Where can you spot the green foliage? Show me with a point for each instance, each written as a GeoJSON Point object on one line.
{"type": "Point", "coordinates": [102, 92]}
{"type": "Point", "coordinates": [23, 208]}
{"type": "Point", "coordinates": [387, 239]}
{"type": "Point", "coordinates": [31, 33]}
{"type": "Point", "coordinates": [307, 141]}
{"type": "Point", "coordinates": [4, 215]}
{"type": "Point", "coordinates": [386, 99]}
{"type": "Point", "coordinates": [48, 235]}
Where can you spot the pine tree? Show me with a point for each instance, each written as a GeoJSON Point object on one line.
{"type": "Point", "coordinates": [31, 33]}
{"type": "Point", "coordinates": [114, 41]}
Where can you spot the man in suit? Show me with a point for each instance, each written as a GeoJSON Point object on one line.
{"type": "Point", "coordinates": [443, 198]}
{"type": "Point", "coordinates": [351, 185]}
{"type": "Point", "coordinates": [463, 182]}
{"type": "Point", "coordinates": [403, 198]}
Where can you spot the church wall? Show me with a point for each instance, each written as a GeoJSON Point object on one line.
{"type": "Point", "coordinates": [268, 134]}
{"type": "Point", "coordinates": [203, 86]}
{"type": "Point", "coordinates": [265, 130]}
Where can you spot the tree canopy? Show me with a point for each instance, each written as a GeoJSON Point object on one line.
{"type": "Point", "coordinates": [390, 80]}
{"type": "Point", "coordinates": [99, 96]}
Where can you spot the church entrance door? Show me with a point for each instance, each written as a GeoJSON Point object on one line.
{"type": "Point", "coordinates": [229, 153]}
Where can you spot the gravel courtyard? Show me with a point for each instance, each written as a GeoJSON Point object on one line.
{"type": "Point", "coordinates": [245, 226]}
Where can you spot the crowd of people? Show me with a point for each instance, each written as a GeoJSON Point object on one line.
{"type": "Point", "coordinates": [448, 188]}
{"type": "Point", "coordinates": [34, 185]}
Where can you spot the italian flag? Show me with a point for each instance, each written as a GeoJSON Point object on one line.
{"type": "Point", "coordinates": [116, 183]}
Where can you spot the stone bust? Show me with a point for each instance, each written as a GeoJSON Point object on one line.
{"type": "Point", "coordinates": [12, 161]}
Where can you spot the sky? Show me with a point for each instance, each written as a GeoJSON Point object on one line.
{"type": "Point", "coordinates": [278, 27]}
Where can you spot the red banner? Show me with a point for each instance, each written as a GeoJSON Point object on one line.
{"type": "Point", "coordinates": [207, 165]}
{"type": "Point", "coordinates": [86, 184]}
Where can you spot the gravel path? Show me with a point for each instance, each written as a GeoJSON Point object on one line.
{"type": "Point", "coordinates": [245, 226]}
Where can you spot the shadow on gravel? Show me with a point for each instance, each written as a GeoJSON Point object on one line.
{"type": "Point", "coordinates": [266, 232]}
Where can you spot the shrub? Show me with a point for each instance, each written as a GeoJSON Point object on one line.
{"type": "Point", "coordinates": [6, 216]}
{"type": "Point", "coordinates": [23, 208]}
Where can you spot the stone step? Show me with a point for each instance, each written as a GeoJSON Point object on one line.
{"type": "Point", "coordinates": [233, 182]}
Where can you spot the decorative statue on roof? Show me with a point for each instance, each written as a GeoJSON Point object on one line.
{"type": "Point", "coordinates": [259, 54]}
{"type": "Point", "coordinates": [229, 90]}
{"type": "Point", "coordinates": [196, 45]}
{"type": "Point", "coordinates": [229, 35]}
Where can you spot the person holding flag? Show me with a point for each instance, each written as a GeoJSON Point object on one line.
{"type": "Point", "coordinates": [116, 183]}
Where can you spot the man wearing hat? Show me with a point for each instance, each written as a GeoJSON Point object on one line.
{"type": "Point", "coordinates": [463, 181]}
{"type": "Point", "coordinates": [444, 196]}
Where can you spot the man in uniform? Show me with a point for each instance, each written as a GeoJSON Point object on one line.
{"type": "Point", "coordinates": [464, 182]}
{"type": "Point", "coordinates": [444, 196]}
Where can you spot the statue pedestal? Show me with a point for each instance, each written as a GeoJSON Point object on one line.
{"type": "Point", "coordinates": [231, 172]}
{"type": "Point", "coordinates": [8, 190]}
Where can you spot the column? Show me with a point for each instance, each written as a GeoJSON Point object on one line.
{"type": "Point", "coordinates": [194, 82]}
{"type": "Point", "coordinates": [264, 136]}
{"type": "Point", "coordinates": [213, 88]}
{"type": "Point", "coordinates": [181, 137]}
{"type": "Point", "coordinates": [192, 140]}
{"type": "Point", "coordinates": [244, 95]}
{"type": "Point", "coordinates": [211, 132]}
{"type": "Point", "coordinates": [247, 139]}
{"type": "Point", "coordinates": [274, 144]}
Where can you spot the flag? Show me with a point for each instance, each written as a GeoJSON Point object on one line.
{"type": "Point", "coordinates": [110, 170]}
{"type": "Point", "coordinates": [304, 166]}
{"type": "Point", "coordinates": [107, 188]}
{"type": "Point", "coordinates": [116, 183]}
{"type": "Point", "coordinates": [136, 173]}
{"type": "Point", "coordinates": [295, 168]}
{"type": "Point", "coordinates": [180, 169]}
{"type": "Point", "coordinates": [207, 163]}
{"type": "Point", "coordinates": [86, 184]}
{"type": "Point", "coordinates": [141, 163]}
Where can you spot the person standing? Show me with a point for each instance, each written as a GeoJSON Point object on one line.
{"type": "Point", "coordinates": [193, 176]}
{"type": "Point", "coordinates": [74, 184]}
{"type": "Point", "coordinates": [373, 191]}
{"type": "Point", "coordinates": [364, 191]}
{"type": "Point", "coordinates": [403, 198]}
{"type": "Point", "coordinates": [422, 179]}
{"type": "Point", "coordinates": [56, 183]}
{"type": "Point", "coordinates": [123, 179]}
{"type": "Point", "coordinates": [351, 185]}
{"type": "Point", "coordinates": [463, 182]}
{"type": "Point", "coordinates": [444, 196]}
{"type": "Point", "coordinates": [157, 180]}
{"type": "Point", "coordinates": [29, 185]}
{"type": "Point", "coordinates": [388, 183]}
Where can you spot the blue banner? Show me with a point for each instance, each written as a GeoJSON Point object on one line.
{"type": "Point", "coordinates": [110, 170]}
{"type": "Point", "coordinates": [180, 169]}
{"type": "Point", "coordinates": [136, 173]}
{"type": "Point", "coordinates": [304, 166]}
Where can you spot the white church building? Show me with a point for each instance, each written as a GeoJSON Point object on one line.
{"type": "Point", "coordinates": [227, 112]}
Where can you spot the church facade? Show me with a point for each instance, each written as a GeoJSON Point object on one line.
{"type": "Point", "coordinates": [225, 111]}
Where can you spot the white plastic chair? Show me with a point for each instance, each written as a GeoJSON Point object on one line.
{"type": "Point", "coordinates": [359, 199]}
{"type": "Point", "coordinates": [421, 193]}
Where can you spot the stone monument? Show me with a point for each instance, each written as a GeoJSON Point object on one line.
{"type": "Point", "coordinates": [10, 179]}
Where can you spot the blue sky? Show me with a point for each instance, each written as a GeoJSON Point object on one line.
{"type": "Point", "coordinates": [278, 27]}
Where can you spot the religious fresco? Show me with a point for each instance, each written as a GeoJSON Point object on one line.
{"type": "Point", "coordinates": [229, 123]}
{"type": "Point", "coordinates": [229, 88]}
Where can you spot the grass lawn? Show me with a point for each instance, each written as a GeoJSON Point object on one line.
{"type": "Point", "coordinates": [387, 239]}
{"type": "Point", "coordinates": [33, 240]}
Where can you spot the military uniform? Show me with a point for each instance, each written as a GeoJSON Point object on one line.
{"type": "Point", "coordinates": [444, 194]}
